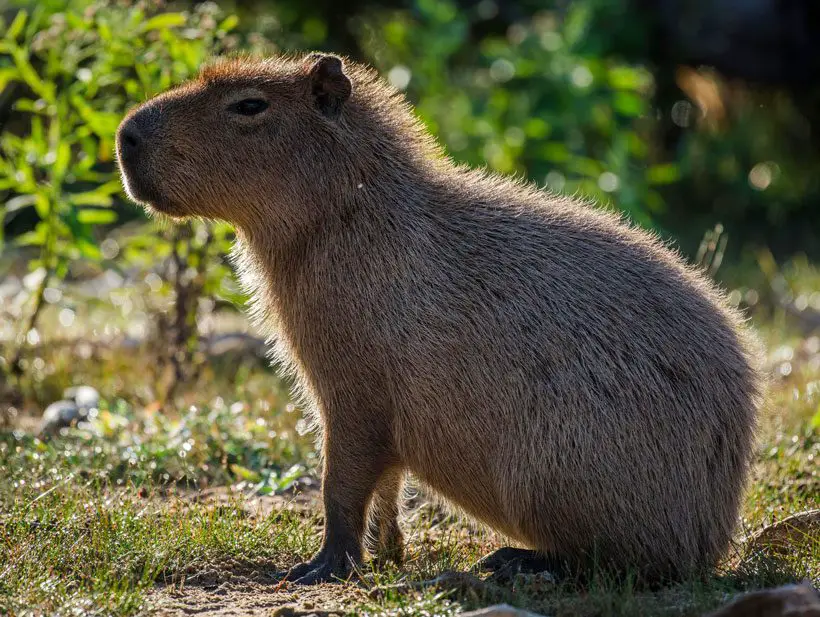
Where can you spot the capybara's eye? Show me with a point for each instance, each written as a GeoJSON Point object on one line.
{"type": "Point", "coordinates": [249, 107]}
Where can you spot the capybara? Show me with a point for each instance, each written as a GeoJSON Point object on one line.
{"type": "Point", "coordinates": [544, 366]}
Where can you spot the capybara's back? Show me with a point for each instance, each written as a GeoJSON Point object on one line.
{"type": "Point", "coordinates": [549, 369]}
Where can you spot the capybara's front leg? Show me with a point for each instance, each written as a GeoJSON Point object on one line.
{"type": "Point", "coordinates": [353, 464]}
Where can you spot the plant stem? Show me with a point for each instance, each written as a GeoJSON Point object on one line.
{"type": "Point", "coordinates": [16, 363]}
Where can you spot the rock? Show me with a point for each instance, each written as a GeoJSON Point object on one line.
{"type": "Point", "coordinates": [101, 285]}
{"type": "Point", "coordinates": [58, 415]}
{"type": "Point", "coordinates": [292, 610]}
{"type": "Point", "coordinates": [782, 536]}
{"type": "Point", "coordinates": [500, 610]}
{"type": "Point", "coordinates": [10, 286]}
{"type": "Point", "coordinates": [789, 601]}
{"type": "Point", "coordinates": [238, 343]}
{"type": "Point", "coordinates": [85, 397]}
{"type": "Point", "coordinates": [535, 581]}
{"type": "Point", "coordinates": [74, 408]}
{"type": "Point", "coordinates": [463, 584]}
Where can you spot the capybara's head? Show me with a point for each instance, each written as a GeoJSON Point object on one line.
{"type": "Point", "coordinates": [249, 138]}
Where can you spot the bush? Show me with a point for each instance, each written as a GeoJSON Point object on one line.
{"type": "Point", "coordinates": [73, 73]}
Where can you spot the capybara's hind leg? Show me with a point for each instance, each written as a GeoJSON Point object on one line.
{"type": "Point", "coordinates": [384, 538]}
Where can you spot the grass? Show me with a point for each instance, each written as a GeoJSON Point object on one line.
{"type": "Point", "coordinates": [137, 506]}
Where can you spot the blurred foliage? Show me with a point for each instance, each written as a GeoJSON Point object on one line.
{"type": "Point", "coordinates": [539, 89]}
{"type": "Point", "coordinates": [78, 76]}
{"type": "Point", "coordinates": [533, 103]}
{"type": "Point", "coordinates": [216, 444]}
{"type": "Point", "coordinates": [564, 94]}
{"type": "Point", "coordinates": [722, 151]}
{"type": "Point", "coordinates": [74, 73]}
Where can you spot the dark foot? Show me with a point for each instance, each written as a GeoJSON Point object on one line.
{"type": "Point", "coordinates": [530, 561]}
{"type": "Point", "coordinates": [320, 569]}
{"type": "Point", "coordinates": [507, 562]}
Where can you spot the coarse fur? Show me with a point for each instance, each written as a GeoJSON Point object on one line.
{"type": "Point", "coordinates": [557, 374]}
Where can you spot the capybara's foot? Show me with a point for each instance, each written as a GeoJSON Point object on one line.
{"type": "Point", "coordinates": [507, 562]}
{"type": "Point", "coordinates": [321, 569]}
{"type": "Point", "coordinates": [530, 561]}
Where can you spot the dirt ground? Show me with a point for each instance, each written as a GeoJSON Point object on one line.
{"type": "Point", "coordinates": [250, 589]}
{"type": "Point", "coordinates": [230, 594]}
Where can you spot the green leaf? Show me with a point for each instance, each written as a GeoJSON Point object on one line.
{"type": "Point", "coordinates": [663, 174]}
{"type": "Point", "coordinates": [628, 78]}
{"type": "Point", "coordinates": [30, 76]}
{"type": "Point", "coordinates": [37, 131]}
{"type": "Point", "coordinates": [555, 152]}
{"type": "Point", "coordinates": [96, 216]}
{"type": "Point", "coordinates": [287, 479]}
{"type": "Point", "coordinates": [165, 21]}
{"type": "Point", "coordinates": [103, 123]}
{"type": "Point", "coordinates": [7, 74]}
{"type": "Point", "coordinates": [32, 238]}
{"type": "Point", "coordinates": [229, 23]}
{"type": "Point", "coordinates": [63, 158]}
{"type": "Point", "coordinates": [17, 25]}
{"type": "Point", "coordinates": [245, 473]}
{"type": "Point", "coordinates": [536, 128]}
{"type": "Point", "coordinates": [34, 107]}
{"type": "Point", "coordinates": [628, 104]}
{"type": "Point", "coordinates": [585, 166]}
{"type": "Point", "coordinates": [88, 249]}
{"type": "Point", "coordinates": [105, 32]}
{"type": "Point", "coordinates": [90, 198]}
{"type": "Point", "coordinates": [43, 205]}
{"type": "Point", "coordinates": [109, 188]}
{"type": "Point", "coordinates": [76, 22]}
{"type": "Point", "coordinates": [36, 21]}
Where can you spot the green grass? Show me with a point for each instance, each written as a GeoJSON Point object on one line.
{"type": "Point", "coordinates": [109, 516]}
{"type": "Point", "coordinates": [81, 545]}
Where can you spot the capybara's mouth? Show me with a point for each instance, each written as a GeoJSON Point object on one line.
{"type": "Point", "coordinates": [143, 192]}
{"type": "Point", "coordinates": [166, 208]}
{"type": "Point", "coordinates": [140, 189]}
{"type": "Point", "coordinates": [151, 199]}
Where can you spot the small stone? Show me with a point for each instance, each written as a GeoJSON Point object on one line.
{"type": "Point", "coordinates": [76, 404]}
{"type": "Point", "coordinates": [83, 396]}
{"type": "Point", "coordinates": [500, 610]}
{"type": "Point", "coordinates": [294, 610]}
{"type": "Point", "coordinates": [788, 601]}
{"type": "Point", "coordinates": [58, 415]}
{"type": "Point", "coordinates": [535, 580]}
{"type": "Point", "coordinates": [461, 583]}
{"type": "Point", "coordinates": [782, 536]}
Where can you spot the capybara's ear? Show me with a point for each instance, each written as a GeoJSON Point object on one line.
{"type": "Point", "coordinates": [330, 86]}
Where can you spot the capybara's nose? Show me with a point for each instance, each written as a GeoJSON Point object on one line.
{"type": "Point", "coordinates": [136, 131]}
{"type": "Point", "coordinates": [129, 136]}
{"type": "Point", "coordinates": [129, 140]}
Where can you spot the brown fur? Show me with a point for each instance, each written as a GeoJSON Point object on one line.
{"type": "Point", "coordinates": [552, 371]}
